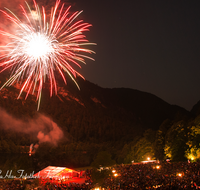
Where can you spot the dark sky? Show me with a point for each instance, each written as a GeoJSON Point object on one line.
{"type": "Point", "coordinates": [148, 45]}
{"type": "Point", "coordinates": [152, 46]}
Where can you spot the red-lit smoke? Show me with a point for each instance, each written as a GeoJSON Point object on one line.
{"type": "Point", "coordinates": [44, 129]}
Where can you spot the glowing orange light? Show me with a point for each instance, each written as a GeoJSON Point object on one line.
{"type": "Point", "coordinates": [179, 174]}
{"type": "Point", "coordinates": [157, 167]}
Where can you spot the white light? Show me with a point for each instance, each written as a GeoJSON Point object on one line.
{"type": "Point", "coordinates": [38, 45]}
{"type": "Point", "coordinates": [179, 174]}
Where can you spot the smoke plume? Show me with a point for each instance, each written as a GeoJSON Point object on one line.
{"type": "Point", "coordinates": [42, 127]}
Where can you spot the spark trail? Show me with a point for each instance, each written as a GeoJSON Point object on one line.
{"type": "Point", "coordinates": [41, 45]}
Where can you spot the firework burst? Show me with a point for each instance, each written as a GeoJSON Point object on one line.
{"type": "Point", "coordinates": [41, 45]}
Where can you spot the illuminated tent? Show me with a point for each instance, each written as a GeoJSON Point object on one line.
{"type": "Point", "coordinates": [57, 172]}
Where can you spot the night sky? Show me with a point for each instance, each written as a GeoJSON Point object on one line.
{"type": "Point", "coordinates": [152, 46]}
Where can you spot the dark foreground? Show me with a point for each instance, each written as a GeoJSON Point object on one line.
{"type": "Point", "coordinates": [164, 176]}
{"type": "Point", "coordinates": [161, 176]}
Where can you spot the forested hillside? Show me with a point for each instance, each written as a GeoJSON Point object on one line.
{"type": "Point", "coordinates": [93, 119]}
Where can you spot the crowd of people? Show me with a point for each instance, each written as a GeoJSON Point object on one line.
{"type": "Point", "coordinates": [12, 185]}
{"type": "Point", "coordinates": [163, 176]}
{"type": "Point", "coordinates": [67, 186]}
{"type": "Point", "coordinates": [46, 184]}
{"type": "Point", "coordinates": [17, 185]}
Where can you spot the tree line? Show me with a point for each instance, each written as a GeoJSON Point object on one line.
{"type": "Point", "coordinates": [176, 140]}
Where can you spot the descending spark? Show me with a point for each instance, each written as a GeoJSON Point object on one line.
{"type": "Point", "coordinates": [41, 45]}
